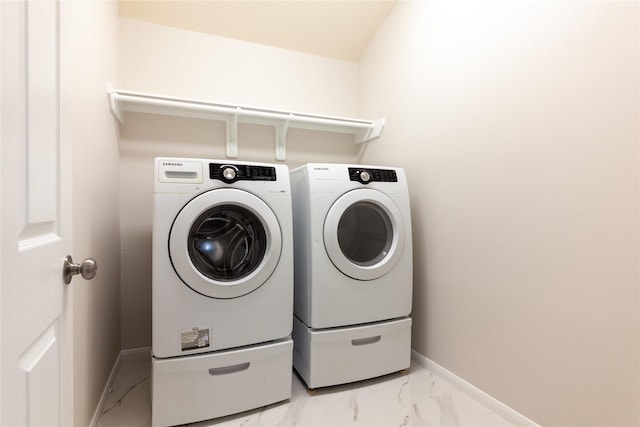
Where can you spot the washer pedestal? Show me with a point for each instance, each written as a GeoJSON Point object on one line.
{"type": "Point", "coordinates": [195, 388]}
{"type": "Point", "coordinates": [326, 357]}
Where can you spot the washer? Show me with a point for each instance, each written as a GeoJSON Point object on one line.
{"type": "Point", "coordinates": [222, 286]}
{"type": "Point", "coordinates": [353, 272]}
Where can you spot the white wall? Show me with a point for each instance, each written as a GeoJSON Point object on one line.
{"type": "Point", "coordinates": [518, 126]}
{"type": "Point", "coordinates": [170, 61]}
{"type": "Point", "coordinates": [180, 63]}
{"type": "Point", "coordinates": [95, 202]}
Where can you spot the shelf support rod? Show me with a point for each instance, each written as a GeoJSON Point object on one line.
{"type": "Point", "coordinates": [232, 135]}
{"type": "Point", "coordinates": [281, 139]}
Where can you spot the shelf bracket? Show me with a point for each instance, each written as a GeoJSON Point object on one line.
{"type": "Point", "coordinates": [281, 139]}
{"type": "Point", "coordinates": [370, 133]}
{"type": "Point", "coordinates": [232, 135]}
{"type": "Point", "coordinates": [113, 104]}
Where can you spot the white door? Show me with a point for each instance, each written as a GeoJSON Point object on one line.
{"type": "Point", "coordinates": [35, 214]}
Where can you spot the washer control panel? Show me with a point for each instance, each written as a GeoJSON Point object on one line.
{"type": "Point", "coordinates": [228, 172]}
{"type": "Point", "coordinates": [366, 175]}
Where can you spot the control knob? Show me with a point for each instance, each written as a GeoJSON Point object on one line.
{"type": "Point", "coordinates": [229, 173]}
{"type": "Point", "coordinates": [365, 176]}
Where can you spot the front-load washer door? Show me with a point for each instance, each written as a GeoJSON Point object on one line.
{"type": "Point", "coordinates": [225, 243]}
{"type": "Point", "coordinates": [364, 234]}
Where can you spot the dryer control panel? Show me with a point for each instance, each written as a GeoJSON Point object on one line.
{"type": "Point", "coordinates": [365, 175]}
{"type": "Point", "coordinates": [228, 172]}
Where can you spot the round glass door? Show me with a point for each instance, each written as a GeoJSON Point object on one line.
{"type": "Point", "coordinates": [225, 243]}
{"type": "Point", "coordinates": [363, 234]}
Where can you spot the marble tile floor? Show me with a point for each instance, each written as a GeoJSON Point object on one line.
{"type": "Point", "coordinates": [414, 398]}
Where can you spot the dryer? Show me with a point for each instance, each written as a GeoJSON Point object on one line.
{"type": "Point", "coordinates": [353, 272]}
{"type": "Point", "coordinates": [222, 288]}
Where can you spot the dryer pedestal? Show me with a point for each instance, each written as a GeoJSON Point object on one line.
{"type": "Point", "coordinates": [327, 357]}
{"type": "Point", "coordinates": [195, 388]}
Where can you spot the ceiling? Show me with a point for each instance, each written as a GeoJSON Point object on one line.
{"type": "Point", "coordinates": [337, 29]}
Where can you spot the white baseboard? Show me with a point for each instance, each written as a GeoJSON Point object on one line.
{"type": "Point", "coordinates": [474, 392]}
{"type": "Point", "coordinates": [114, 371]}
{"type": "Point", "coordinates": [136, 351]}
{"type": "Point", "coordinates": [105, 392]}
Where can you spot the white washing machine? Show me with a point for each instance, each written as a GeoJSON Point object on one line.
{"type": "Point", "coordinates": [222, 287]}
{"type": "Point", "coordinates": [353, 272]}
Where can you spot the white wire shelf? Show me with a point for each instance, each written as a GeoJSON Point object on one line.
{"type": "Point", "coordinates": [233, 115]}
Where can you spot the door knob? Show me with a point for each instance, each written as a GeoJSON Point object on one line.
{"type": "Point", "coordinates": [86, 268]}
